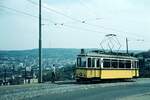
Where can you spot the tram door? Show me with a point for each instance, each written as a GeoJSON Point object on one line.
{"type": "Point", "coordinates": [93, 67]}
{"type": "Point", "coordinates": [98, 67]}
{"type": "Point", "coordinates": [95, 72]}
{"type": "Point", "coordinates": [136, 68]}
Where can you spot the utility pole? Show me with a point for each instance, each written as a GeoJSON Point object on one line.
{"type": "Point", "coordinates": [127, 45]}
{"type": "Point", "coordinates": [40, 44]}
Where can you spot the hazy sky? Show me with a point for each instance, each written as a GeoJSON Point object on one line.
{"type": "Point", "coordinates": [126, 18]}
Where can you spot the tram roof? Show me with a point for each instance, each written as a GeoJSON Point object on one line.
{"type": "Point", "coordinates": [107, 55]}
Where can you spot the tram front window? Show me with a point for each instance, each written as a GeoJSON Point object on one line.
{"type": "Point", "coordinates": [89, 62]}
{"type": "Point", "coordinates": [93, 62]}
{"type": "Point", "coordinates": [78, 62]}
{"type": "Point", "coordinates": [81, 62]}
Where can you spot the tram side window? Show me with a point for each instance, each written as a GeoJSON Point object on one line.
{"type": "Point", "coordinates": [89, 62]}
{"type": "Point", "coordinates": [121, 63]}
{"type": "Point", "coordinates": [128, 64]}
{"type": "Point", "coordinates": [114, 63]}
{"type": "Point", "coordinates": [137, 64]}
{"type": "Point", "coordinates": [133, 64]}
{"type": "Point", "coordinates": [106, 63]}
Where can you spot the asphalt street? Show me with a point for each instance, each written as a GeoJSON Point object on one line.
{"type": "Point", "coordinates": [113, 92]}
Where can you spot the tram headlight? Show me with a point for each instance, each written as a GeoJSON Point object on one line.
{"type": "Point", "coordinates": [80, 74]}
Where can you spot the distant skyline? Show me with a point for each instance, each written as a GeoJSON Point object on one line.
{"type": "Point", "coordinates": [74, 23]}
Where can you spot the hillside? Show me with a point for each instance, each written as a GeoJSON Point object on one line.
{"type": "Point", "coordinates": [46, 53]}
{"type": "Point", "coordinates": [64, 59]}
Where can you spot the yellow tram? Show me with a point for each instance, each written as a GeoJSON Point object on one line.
{"type": "Point", "coordinates": [100, 65]}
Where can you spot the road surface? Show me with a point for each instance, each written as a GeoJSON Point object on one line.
{"type": "Point", "coordinates": [69, 90]}
{"type": "Point", "coordinates": [139, 91]}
